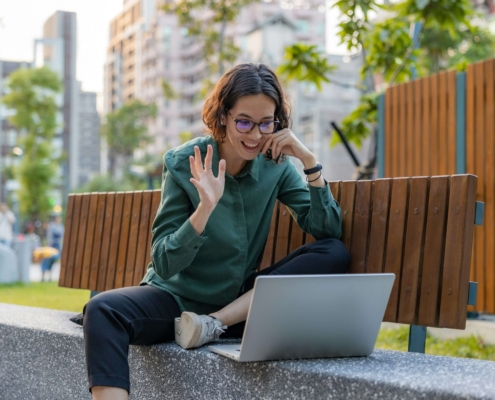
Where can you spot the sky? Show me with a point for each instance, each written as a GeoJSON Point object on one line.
{"type": "Point", "coordinates": [22, 21]}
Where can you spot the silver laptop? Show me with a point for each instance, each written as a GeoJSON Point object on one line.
{"type": "Point", "coordinates": [312, 316]}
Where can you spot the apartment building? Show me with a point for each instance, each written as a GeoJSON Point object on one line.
{"type": "Point", "coordinates": [147, 46]}
{"type": "Point", "coordinates": [89, 137]}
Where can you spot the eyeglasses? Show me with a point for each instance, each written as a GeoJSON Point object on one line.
{"type": "Point", "coordinates": [246, 125]}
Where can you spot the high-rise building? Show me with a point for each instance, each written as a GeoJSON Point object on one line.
{"type": "Point", "coordinates": [59, 53]}
{"type": "Point", "coordinates": [79, 120]}
{"type": "Point", "coordinates": [89, 138]}
{"type": "Point", "coordinates": [148, 46]}
{"type": "Point", "coordinates": [8, 134]}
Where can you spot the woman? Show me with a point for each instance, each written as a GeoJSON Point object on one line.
{"type": "Point", "coordinates": [218, 195]}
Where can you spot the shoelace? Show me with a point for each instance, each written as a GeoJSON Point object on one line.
{"type": "Point", "coordinates": [213, 331]}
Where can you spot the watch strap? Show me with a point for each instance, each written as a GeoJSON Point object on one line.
{"type": "Point", "coordinates": [310, 171]}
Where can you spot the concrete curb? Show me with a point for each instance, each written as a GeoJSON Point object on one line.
{"type": "Point", "coordinates": [43, 358]}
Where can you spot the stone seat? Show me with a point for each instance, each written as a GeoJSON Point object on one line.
{"type": "Point", "coordinates": [42, 357]}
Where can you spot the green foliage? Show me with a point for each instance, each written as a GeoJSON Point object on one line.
{"type": "Point", "coordinates": [305, 63]}
{"type": "Point", "coordinates": [440, 50]}
{"type": "Point", "coordinates": [448, 37]}
{"type": "Point", "coordinates": [105, 183]}
{"type": "Point", "coordinates": [31, 94]}
{"type": "Point", "coordinates": [387, 47]}
{"type": "Point", "coordinates": [465, 346]}
{"type": "Point", "coordinates": [446, 14]}
{"type": "Point", "coordinates": [356, 124]}
{"type": "Point", "coordinates": [44, 294]}
{"type": "Point", "coordinates": [205, 21]}
{"type": "Point", "coordinates": [168, 90]}
{"type": "Point", "coordinates": [125, 129]}
{"type": "Point", "coordinates": [356, 16]}
{"type": "Point", "coordinates": [185, 136]}
{"type": "Point", "coordinates": [8, 172]}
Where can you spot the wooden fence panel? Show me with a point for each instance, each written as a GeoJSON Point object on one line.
{"type": "Point", "coordinates": [400, 135]}
{"type": "Point", "coordinates": [416, 130]}
{"type": "Point", "coordinates": [451, 121]}
{"type": "Point", "coordinates": [409, 132]}
{"type": "Point", "coordinates": [442, 148]}
{"type": "Point", "coordinates": [421, 140]}
{"type": "Point", "coordinates": [426, 128]}
{"type": "Point", "coordinates": [479, 140]}
{"type": "Point", "coordinates": [489, 197]}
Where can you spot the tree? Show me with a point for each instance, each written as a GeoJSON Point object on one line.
{"type": "Point", "coordinates": [31, 94]}
{"type": "Point", "coordinates": [304, 63]}
{"type": "Point", "coordinates": [449, 35]}
{"type": "Point", "coordinates": [209, 29]}
{"type": "Point", "coordinates": [447, 38]}
{"type": "Point", "coordinates": [125, 130]}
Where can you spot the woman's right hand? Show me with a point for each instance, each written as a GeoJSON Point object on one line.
{"type": "Point", "coordinates": [210, 189]}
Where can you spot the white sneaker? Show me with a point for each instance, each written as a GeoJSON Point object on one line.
{"type": "Point", "coordinates": [192, 330]}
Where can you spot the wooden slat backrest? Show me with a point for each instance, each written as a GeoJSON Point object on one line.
{"type": "Point", "coordinates": [418, 228]}
{"type": "Point", "coordinates": [107, 239]}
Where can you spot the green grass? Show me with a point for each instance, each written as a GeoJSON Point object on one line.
{"type": "Point", "coordinates": [465, 347]}
{"type": "Point", "coordinates": [49, 295]}
{"type": "Point", "coordinates": [44, 294]}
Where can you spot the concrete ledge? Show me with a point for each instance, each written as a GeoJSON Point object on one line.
{"type": "Point", "coordinates": [42, 357]}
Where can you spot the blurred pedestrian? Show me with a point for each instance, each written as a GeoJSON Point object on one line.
{"type": "Point", "coordinates": [55, 233]}
{"type": "Point", "coordinates": [7, 220]}
{"type": "Point", "coordinates": [47, 256]}
{"type": "Point", "coordinates": [31, 235]}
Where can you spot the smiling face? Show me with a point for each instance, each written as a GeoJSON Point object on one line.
{"type": "Point", "coordinates": [241, 147]}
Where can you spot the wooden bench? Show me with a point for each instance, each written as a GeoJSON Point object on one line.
{"type": "Point", "coordinates": [419, 228]}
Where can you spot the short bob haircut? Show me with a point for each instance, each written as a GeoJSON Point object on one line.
{"type": "Point", "coordinates": [243, 80]}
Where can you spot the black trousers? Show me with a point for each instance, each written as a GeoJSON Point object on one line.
{"type": "Point", "coordinates": [144, 315]}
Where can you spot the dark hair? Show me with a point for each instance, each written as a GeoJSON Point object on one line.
{"type": "Point", "coordinates": [244, 80]}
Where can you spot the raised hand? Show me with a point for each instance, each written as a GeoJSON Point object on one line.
{"type": "Point", "coordinates": [210, 188]}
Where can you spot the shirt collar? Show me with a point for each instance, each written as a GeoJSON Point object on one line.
{"type": "Point", "coordinates": [251, 167]}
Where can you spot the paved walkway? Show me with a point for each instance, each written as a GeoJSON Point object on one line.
{"type": "Point", "coordinates": [35, 272]}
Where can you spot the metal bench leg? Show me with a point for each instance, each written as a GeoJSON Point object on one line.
{"type": "Point", "coordinates": [417, 339]}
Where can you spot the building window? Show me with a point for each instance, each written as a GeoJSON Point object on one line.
{"type": "Point", "coordinates": [302, 25]}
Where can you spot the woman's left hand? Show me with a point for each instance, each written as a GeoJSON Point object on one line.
{"type": "Point", "coordinates": [285, 141]}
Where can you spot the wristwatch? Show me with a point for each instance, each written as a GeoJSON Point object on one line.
{"type": "Point", "coordinates": [310, 171]}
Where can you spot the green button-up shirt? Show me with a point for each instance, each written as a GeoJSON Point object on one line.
{"type": "Point", "coordinates": [206, 272]}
